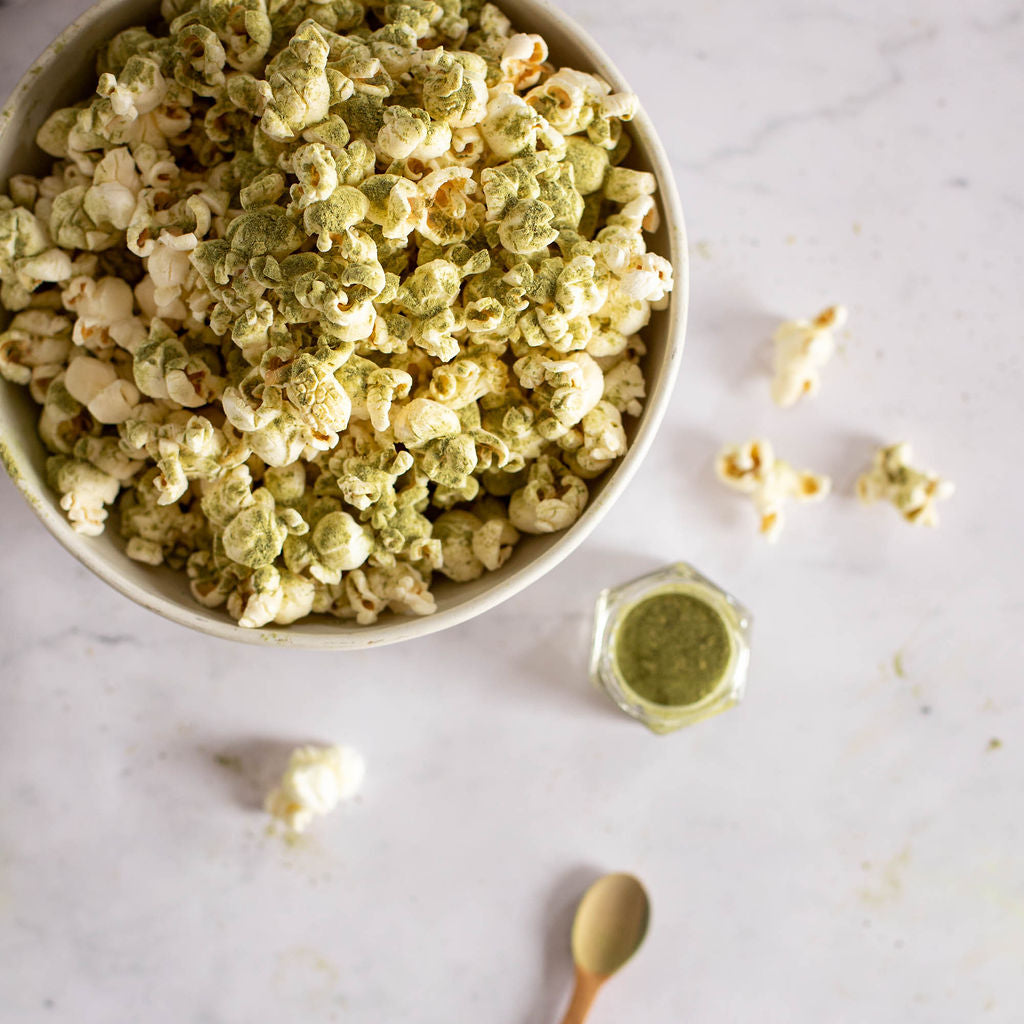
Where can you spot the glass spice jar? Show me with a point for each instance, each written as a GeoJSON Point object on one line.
{"type": "Point", "coordinates": [671, 648]}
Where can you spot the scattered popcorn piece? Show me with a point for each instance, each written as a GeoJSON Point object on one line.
{"type": "Point", "coordinates": [752, 468]}
{"type": "Point", "coordinates": [913, 492]}
{"type": "Point", "coordinates": [316, 780]}
{"type": "Point", "coordinates": [802, 348]}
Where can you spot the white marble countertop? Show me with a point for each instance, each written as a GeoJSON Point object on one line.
{"type": "Point", "coordinates": [845, 847]}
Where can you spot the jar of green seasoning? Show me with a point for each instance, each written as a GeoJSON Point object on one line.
{"type": "Point", "coordinates": [671, 648]}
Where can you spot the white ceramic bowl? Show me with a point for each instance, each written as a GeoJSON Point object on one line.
{"type": "Point", "coordinates": [63, 75]}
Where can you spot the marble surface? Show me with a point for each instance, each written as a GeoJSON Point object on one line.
{"type": "Point", "coordinates": [846, 846]}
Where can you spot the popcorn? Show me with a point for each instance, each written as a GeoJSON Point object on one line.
{"type": "Point", "coordinates": [96, 385]}
{"type": "Point", "coordinates": [552, 499]}
{"type": "Point", "coordinates": [64, 419]}
{"type": "Point", "coordinates": [34, 349]}
{"type": "Point", "coordinates": [802, 348]}
{"type": "Point", "coordinates": [913, 492]}
{"type": "Point", "coordinates": [316, 781]}
{"type": "Point", "coordinates": [330, 298]}
{"type": "Point", "coordinates": [84, 491]}
{"type": "Point", "coordinates": [752, 468]}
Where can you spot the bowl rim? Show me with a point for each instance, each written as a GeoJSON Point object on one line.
{"type": "Point", "coordinates": [400, 628]}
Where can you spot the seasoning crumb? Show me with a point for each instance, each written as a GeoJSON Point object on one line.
{"type": "Point", "coordinates": [230, 761]}
{"type": "Point", "coordinates": [995, 743]}
{"type": "Point", "coordinates": [897, 665]}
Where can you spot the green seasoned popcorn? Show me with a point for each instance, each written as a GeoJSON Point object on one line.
{"type": "Point", "coordinates": [180, 369]}
{"type": "Point", "coordinates": [317, 172]}
{"type": "Point", "coordinates": [367, 482]}
{"type": "Point", "coordinates": [125, 45]}
{"type": "Point", "coordinates": [107, 455]}
{"type": "Point", "coordinates": [269, 595]}
{"type": "Point", "coordinates": [403, 131]}
{"type": "Point", "coordinates": [254, 598]}
{"type": "Point", "coordinates": [552, 498]}
{"type": "Point", "coordinates": [34, 349]}
{"type": "Point", "coordinates": [157, 534]}
{"type": "Point", "coordinates": [588, 450]}
{"type": "Point", "coordinates": [590, 164]}
{"type": "Point", "coordinates": [454, 86]}
{"type": "Point", "coordinates": [331, 297]}
{"type": "Point", "coordinates": [139, 88]}
{"type": "Point", "coordinates": [251, 331]}
{"type": "Point", "coordinates": [395, 203]}
{"type": "Point", "coordinates": [199, 57]}
{"type": "Point", "coordinates": [281, 441]}
{"type": "Point", "coordinates": [224, 496]}
{"type": "Point", "coordinates": [494, 542]}
{"type": "Point", "coordinates": [467, 379]}
{"type": "Point", "coordinates": [456, 529]}
{"type": "Point", "coordinates": [402, 588]}
{"type": "Point", "coordinates": [27, 259]}
{"type": "Point", "coordinates": [63, 419]}
{"type": "Point", "coordinates": [71, 227]}
{"type": "Point", "coordinates": [913, 492]}
{"type": "Point", "coordinates": [449, 460]}
{"type": "Point", "coordinates": [286, 483]}
{"type": "Point", "coordinates": [264, 190]}
{"type": "Point", "coordinates": [528, 227]}
{"type": "Point", "coordinates": [314, 392]}
{"type": "Point", "coordinates": [184, 448]}
{"type": "Point", "coordinates": [622, 185]}
{"type": "Point", "coordinates": [255, 536]}
{"type": "Point", "coordinates": [422, 420]}
{"type": "Point", "coordinates": [330, 219]}
{"type": "Point", "coordinates": [301, 90]}
{"type": "Point", "coordinates": [212, 579]}
{"type": "Point", "coordinates": [333, 15]}
{"type": "Point", "coordinates": [337, 544]}
{"type": "Point", "coordinates": [511, 126]}
{"type": "Point", "coordinates": [448, 214]}
{"type": "Point", "coordinates": [265, 231]}
{"type": "Point", "coordinates": [624, 387]}
{"type": "Point", "coordinates": [242, 27]}
{"type": "Point", "coordinates": [84, 492]}
{"type": "Point", "coordinates": [572, 102]}
{"type": "Point", "coordinates": [383, 387]}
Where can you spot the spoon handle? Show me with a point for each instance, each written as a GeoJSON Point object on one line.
{"type": "Point", "coordinates": [587, 986]}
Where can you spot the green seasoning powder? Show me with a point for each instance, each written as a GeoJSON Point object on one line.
{"type": "Point", "coordinates": [672, 648]}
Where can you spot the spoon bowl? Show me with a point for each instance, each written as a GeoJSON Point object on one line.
{"type": "Point", "coordinates": [610, 925]}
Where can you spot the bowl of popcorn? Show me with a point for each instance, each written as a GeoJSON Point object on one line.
{"type": "Point", "coordinates": [330, 324]}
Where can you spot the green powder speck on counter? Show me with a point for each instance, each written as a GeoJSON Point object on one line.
{"type": "Point", "coordinates": [672, 648]}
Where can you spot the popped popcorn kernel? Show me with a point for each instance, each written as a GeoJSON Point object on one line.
{"type": "Point", "coordinates": [752, 468]}
{"type": "Point", "coordinates": [802, 348]}
{"type": "Point", "coordinates": [913, 492]}
{"type": "Point", "coordinates": [316, 780]}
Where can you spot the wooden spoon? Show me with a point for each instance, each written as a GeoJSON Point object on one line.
{"type": "Point", "coordinates": [610, 924]}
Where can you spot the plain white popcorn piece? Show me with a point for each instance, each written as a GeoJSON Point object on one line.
{"type": "Point", "coordinates": [753, 469]}
{"type": "Point", "coordinates": [316, 781]}
{"type": "Point", "coordinates": [802, 348]}
{"type": "Point", "coordinates": [914, 492]}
